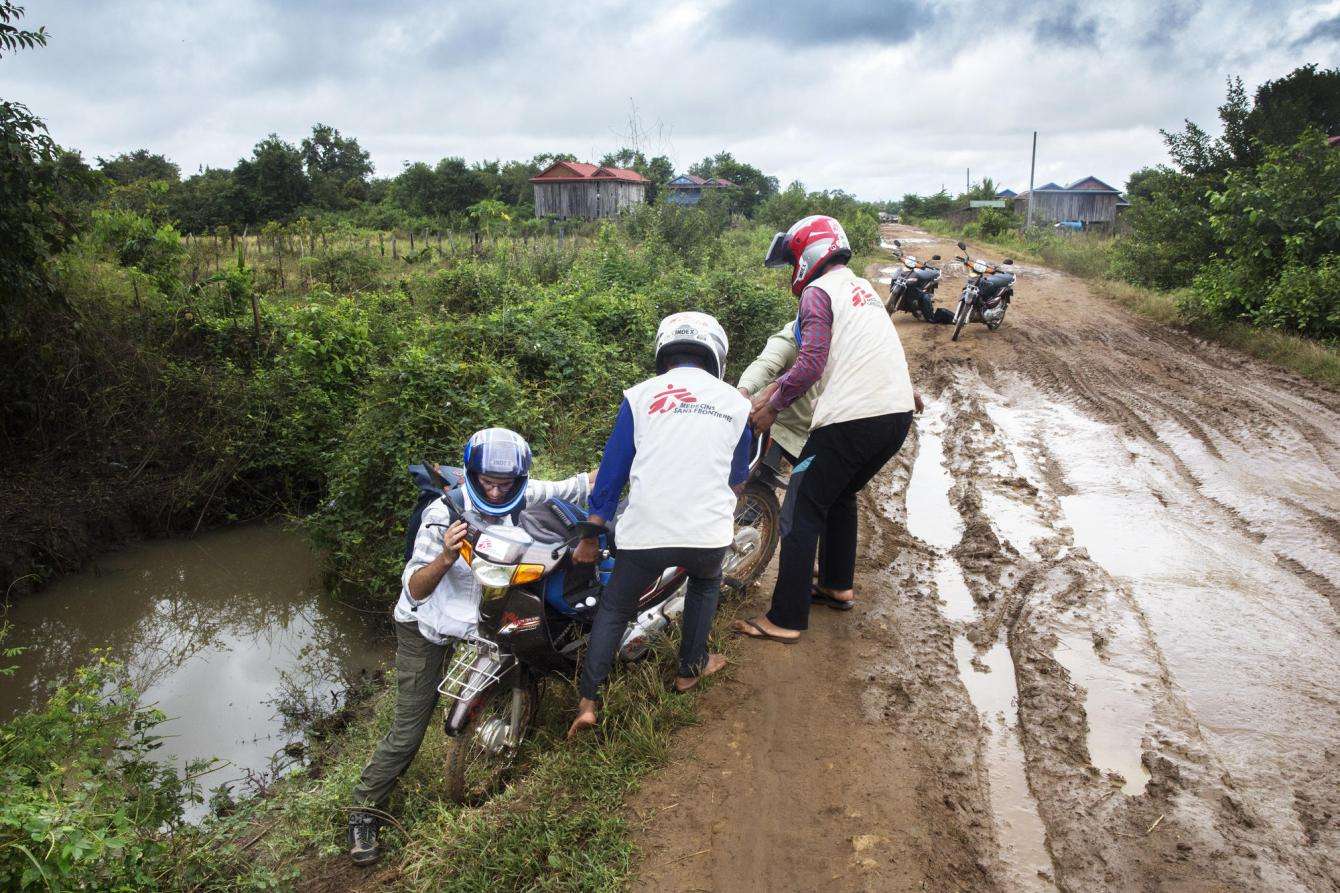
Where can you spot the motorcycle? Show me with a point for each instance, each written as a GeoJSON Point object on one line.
{"type": "Point", "coordinates": [986, 295]}
{"type": "Point", "coordinates": [913, 286]}
{"type": "Point", "coordinates": [535, 617]}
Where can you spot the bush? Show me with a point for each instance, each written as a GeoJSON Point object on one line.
{"type": "Point", "coordinates": [82, 805]}
{"type": "Point", "coordinates": [347, 270]}
{"type": "Point", "coordinates": [133, 240]}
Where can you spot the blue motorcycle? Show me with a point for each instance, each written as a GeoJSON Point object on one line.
{"type": "Point", "coordinates": [912, 288]}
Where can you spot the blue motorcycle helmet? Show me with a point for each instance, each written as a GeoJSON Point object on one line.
{"type": "Point", "coordinates": [496, 454]}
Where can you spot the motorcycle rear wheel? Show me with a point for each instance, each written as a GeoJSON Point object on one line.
{"type": "Point", "coordinates": [992, 326]}
{"type": "Point", "coordinates": [960, 318]}
{"type": "Point", "coordinates": [757, 507]}
{"type": "Point", "coordinates": [478, 764]}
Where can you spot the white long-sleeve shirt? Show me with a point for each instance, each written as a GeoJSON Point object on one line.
{"type": "Point", "coordinates": [451, 610]}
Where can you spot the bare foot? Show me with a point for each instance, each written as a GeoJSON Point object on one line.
{"type": "Point", "coordinates": [715, 662]}
{"type": "Point", "coordinates": [762, 628]}
{"type": "Point", "coordinates": [586, 718]}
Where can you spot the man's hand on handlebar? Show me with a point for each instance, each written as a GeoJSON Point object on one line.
{"type": "Point", "coordinates": [587, 551]}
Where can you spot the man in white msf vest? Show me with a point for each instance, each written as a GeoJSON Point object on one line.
{"type": "Point", "coordinates": [681, 442]}
{"type": "Point", "coordinates": [851, 359]}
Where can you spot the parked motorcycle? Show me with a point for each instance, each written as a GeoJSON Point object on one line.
{"type": "Point", "coordinates": [913, 286]}
{"type": "Point", "coordinates": [535, 616]}
{"type": "Point", "coordinates": [986, 295]}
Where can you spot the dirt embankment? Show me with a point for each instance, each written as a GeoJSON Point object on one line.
{"type": "Point", "coordinates": [1097, 644]}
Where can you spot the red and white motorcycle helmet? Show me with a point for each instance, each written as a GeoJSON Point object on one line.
{"type": "Point", "coordinates": [809, 245]}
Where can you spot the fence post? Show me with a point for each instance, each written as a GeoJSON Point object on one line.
{"type": "Point", "coordinates": [394, 254]}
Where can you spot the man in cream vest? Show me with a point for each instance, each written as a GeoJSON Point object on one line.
{"type": "Point", "coordinates": [851, 360]}
{"type": "Point", "coordinates": [681, 444]}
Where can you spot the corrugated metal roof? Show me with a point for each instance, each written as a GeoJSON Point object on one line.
{"type": "Point", "coordinates": [580, 170]}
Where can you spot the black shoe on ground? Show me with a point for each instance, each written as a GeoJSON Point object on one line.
{"type": "Point", "coordinates": [363, 846]}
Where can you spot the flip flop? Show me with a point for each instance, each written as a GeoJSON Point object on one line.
{"type": "Point", "coordinates": [819, 597]}
{"type": "Point", "coordinates": [761, 633]}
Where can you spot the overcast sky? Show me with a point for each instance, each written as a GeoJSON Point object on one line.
{"type": "Point", "coordinates": [878, 98]}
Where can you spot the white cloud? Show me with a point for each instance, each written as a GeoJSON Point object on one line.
{"type": "Point", "coordinates": [875, 98]}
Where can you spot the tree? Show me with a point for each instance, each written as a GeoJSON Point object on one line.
{"type": "Point", "coordinates": [14, 38]}
{"type": "Point", "coordinates": [1286, 107]}
{"type": "Point", "coordinates": [205, 200]}
{"type": "Point", "coordinates": [658, 170]}
{"type": "Point", "coordinates": [35, 221]}
{"type": "Point", "coordinates": [337, 166]}
{"type": "Point", "coordinates": [752, 186]}
{"type": "Point", "coordinates": [130, 167]}
{"type": "Point", "coordinates": [272, 181]}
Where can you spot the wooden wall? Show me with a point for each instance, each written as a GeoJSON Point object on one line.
{"type": "Point", "coordinates": [1095, 207]}
{"type": "Point", "coordinates": [587, 199]}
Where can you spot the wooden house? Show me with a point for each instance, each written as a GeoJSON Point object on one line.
{"type": "Point", "coordinates": [687, 189]}
{"type": "Point", "coordinates": [588, 191]}
{"type": "Point", "coordinates": [1089, 201]}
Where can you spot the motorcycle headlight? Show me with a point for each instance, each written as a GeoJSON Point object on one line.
{"type": "Point", "coordinates": [492, 575]}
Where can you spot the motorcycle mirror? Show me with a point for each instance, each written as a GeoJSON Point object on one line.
{"type": "Point", "coordinates": [1008, 261]}
{"type": "Point", "coordinates": [897, 244]}
{"type": "Point", "coordinates": [935, 257]}
{"type": "Point", "coordinates": [962, 247]}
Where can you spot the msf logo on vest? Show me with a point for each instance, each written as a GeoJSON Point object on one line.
{"type": "Point", "coordinates": [864, 296]}
{"type": "Point", "coordinates": [670, 399]}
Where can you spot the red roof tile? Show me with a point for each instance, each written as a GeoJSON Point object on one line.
{"type": "Point", "coordinates": [579, 170]}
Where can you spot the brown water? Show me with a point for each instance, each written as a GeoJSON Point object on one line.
{"type": "Point", "coordinates": [210, 630]}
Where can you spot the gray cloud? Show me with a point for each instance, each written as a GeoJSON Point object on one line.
{"type": "Point", "coordinates": [1066, 25]}
{"type": "Point", "coordinates": [875, 98]}
{"type": "Point", "coordinates": [1328, 30]}
{"type": "Point", "coordinates": [801, 23]}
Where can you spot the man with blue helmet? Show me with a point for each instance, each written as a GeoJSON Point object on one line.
{"type": "Point", "coordinates": [439, 603]}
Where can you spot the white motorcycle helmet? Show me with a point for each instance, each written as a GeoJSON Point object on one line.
{"type": "Point", "coordinates": [693, 332]}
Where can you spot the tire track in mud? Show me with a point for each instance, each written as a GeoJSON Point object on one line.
{"type": "Point", "coordinates": [1242, 789]}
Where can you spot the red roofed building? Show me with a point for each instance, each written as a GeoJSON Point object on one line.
{"type": "Point", "coordinates": [589, 191]}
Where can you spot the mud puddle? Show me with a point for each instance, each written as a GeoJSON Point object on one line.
{"type": "Point", "coordinates": [1250, 648]}
{"type": "Point", "coordinates": [988, 675]}
{"type": "Point", "coordinates": [222, 632]}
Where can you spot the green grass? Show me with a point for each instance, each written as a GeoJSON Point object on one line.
{"type": "Point", "coordinates": [1088, 257]}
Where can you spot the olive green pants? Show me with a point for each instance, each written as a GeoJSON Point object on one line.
{"type": "Point", "coordinates": [418, 671]}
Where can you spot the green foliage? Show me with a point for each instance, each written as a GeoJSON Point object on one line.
{"type": "Point", "coordinates": [12, 37]}
{"type": "Point", "coordinates": [916, 208]}
{"type": "Point", "coordinates": [273, 181]}
{"type": "Point", "coordinates": [134, 241]}
{"type": "Point", "coordinates": [141, 164]}
{"type": "Point", "coordinates": [992, 223]}
{"type": "Point", "coordinates": [82, 804]}
{"type": "Point", "coordinates": [752, 186]}
{"type": "Point", "coordinates": [859, 219]}
{"type": "Point", "coordinates": [347, 270]}
{"type": "Point", "coordinates": [1170, 236]}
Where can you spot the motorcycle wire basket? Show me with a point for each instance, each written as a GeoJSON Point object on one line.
{"type": "Point", "coordinates": [476, 665]}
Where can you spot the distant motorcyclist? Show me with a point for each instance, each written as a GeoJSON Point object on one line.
{"type": "Point", "coordinates": [439, 603]}
{"type": "Point", "coordinates": [681, 441]}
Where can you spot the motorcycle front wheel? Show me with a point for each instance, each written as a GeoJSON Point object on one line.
{"type": "Point", "coordinates": [964, 311]}
{"type": "Point", "coordinates": [482, 755]}
{"type": "Point", "coordinates": [758, 508]}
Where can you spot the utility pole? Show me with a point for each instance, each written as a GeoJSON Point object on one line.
{"type": "Point", "coordinates": [1032, 168]}
{"type": "Point", "coordinates": [967, 180]}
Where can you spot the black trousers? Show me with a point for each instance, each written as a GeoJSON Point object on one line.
{"type": "Point", "coordinates": [836, 463]}
{"type": "Point", "coordinates": [634, 571]}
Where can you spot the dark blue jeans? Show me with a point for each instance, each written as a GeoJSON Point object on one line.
{"type": "Point", "coordinates": [634, 571]}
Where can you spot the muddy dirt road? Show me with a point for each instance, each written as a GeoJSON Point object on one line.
{"type": "Point", "coordinates": [1097, 647]}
